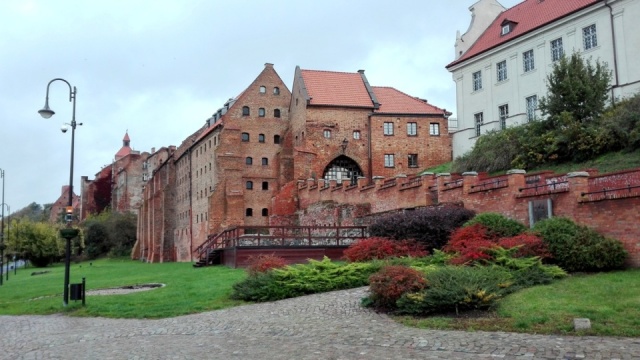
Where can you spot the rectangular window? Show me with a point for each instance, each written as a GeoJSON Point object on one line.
{"type": "Point", "coordinates": [388, 160]}
{"type": "Point", "coordinates": [356, 134]}
{"type": "Point", "coordinates": [556, 49]}
{"type": "Point", "coordinates": [506, 28]}
{"type": "Point", "coordinates": [434, 129]}
{"type": "Point", "coordinates": [327, 134]}
{"type": "Point", "coordinates": [388, 128]}
{"type": "Point", "coordinates": [478, 120]}
{"type": "Point", "coordinates": [412, 129]}
{"type": "Point", "coordinates": [589, 37]}
{"type": "Point", "coordinates": [412, 160]}
{"type": "Point", "coordinates": [501, 70]}
{"type": "Point", "coordinates": [477, 81]}
{"type": "Point", "coordinates": [503, 111]}
{"type": "Point", "coordinates": [532, 105]}
{"type": "Point", "coordinates": [528, 61]}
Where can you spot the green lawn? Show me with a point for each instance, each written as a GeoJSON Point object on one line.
{"type": "Point", "coordinates": [187, 290]}
{"type": "Point", "coordinates": [610, 300]}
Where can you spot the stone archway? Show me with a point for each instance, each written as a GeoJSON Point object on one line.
{"type": "Point", "coordinates": [342, 168]}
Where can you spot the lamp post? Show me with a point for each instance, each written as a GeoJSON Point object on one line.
{"type": "Point", "coordinates": [67, 233]}
{"type": "Point", "coordinates": [2, 245]}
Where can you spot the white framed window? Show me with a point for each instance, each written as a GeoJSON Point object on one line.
{"type": "Point", "coordinates": [528, 62]}
{"type": "Point", "coordinates": [388, 128]}
{"type": "Point", "coordinates": [503, 111]}
{"type": "Point", "coordinates": [506, 28]}
{"type": "Point", "coordinates": [589, 37]}
{"type": "Point", "coordinates": [412, 160]}
{"type": "Point", "coordinates": [532, 105]}
{"type": "Point", "coordinates": [501, 70]}
{"type": "Point", "coordinates": [356, 134]}
{"type": "Point", "coordinates": [327, 134]}
{"type": "Point", "coordinates": [261, 112]}
{"type": "Point", "coordinates": [412, 129]}
{"type": "Point", "coordinates": [263, 89]}
{"type": "Point", "coordinates": [556, 49]}
{"type": "Point", "coordinates": [434, 129]}
{"type": "Point", "coordinates": [478, 119]}
{"type": "Point", "coordinates": [389, 160]}
{"type": "Point", "coordinates": [477, 80]}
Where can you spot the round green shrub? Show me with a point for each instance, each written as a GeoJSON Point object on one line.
{"type": "Point", "coordinates": [498, 225]}
{"type": "Point", "coordinates": [579, 248]}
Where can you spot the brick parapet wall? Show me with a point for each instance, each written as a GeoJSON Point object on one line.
{"type": "Point", "coordinates": [615, 215]}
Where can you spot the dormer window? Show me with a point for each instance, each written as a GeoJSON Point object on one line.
{"type": "Point", "coordinates": [507, 26]}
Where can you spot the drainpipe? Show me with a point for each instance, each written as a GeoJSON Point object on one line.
{"type": "Point", "coordinates": [369, 160]}
{"type": "Point", "coordinates": [615, 52]}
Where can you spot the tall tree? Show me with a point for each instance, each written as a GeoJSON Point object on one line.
{"type": "Point", "coordinates": [578, 87]}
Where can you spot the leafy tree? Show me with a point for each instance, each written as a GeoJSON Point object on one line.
{"type": "Point", "coordinates": [37, 242]}
{"type": "Point", "coordinates": [577, 87]}
{"type": "Point", "coordinates": [110, 233]}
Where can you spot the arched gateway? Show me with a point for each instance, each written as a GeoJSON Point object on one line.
{"type": "Point", "coordinates": [342, 168]}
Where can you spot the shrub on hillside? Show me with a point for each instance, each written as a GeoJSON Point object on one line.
{"type": "Point", "coordinates": [458, 288]}
{"type": "Point", "coordinates": [391, 282]}
{"type": "Point", "coordinates": [429, 226]}
{"type": "Point", "coordinates": [471, 244]}
{"type": "Point", "coordinates": [263, 263]}
{"type": "Point", "coordinates": [498, 225]}
{"type": "Point", "coordinates": [527, 245]}
{"type": "Point", "coordinates": [579, 248]}
{"type": "Point", "coordinates": [382, 248]}
{"type": "Point", "coordinates": [302, 279]}
{"type": "Point", "coordinates": [621, 124]}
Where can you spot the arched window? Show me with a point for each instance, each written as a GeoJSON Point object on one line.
{"type": "Point", "coordinates": [265, 212]}
{"type": "Point", "coordinates": [265, 185]}
{"type": "Point", "coordinates": [276, 113]}
{"type": "Point", "coordinates": [261, 112]}
{"type": "Point", "coordinates": [276, 91]}
{"type": "Point", "coordinates": [265, 161]}
{"type": "Point", "coordinates": [263, 89]}
{"type": "Point", "coordinates": [261, 138]}
{"type": "Point", "coordinates": [248, 161]}
{"type": "Point", "coordinates": [249, 185]}
{"type": "Point", "coordinates": [245, 137]}
{"type": "Point", "coordinates": [245, 111]}
{"type": "Point", "coordinates": [248, 212]}
{"type": "Point", "coordinates": [276, 139]}
{"type": "Point", "coordinates": [342, 168]}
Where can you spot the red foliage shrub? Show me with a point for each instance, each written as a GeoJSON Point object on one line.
{"type": "Point", "coordinates": [391, 282]}
{"type": "Point", "coordinates": [530, 245]}
{"type": "Point", "coordinates": [470, 243]}
{"type": "Point", "coordinates": [263, 263]}
{"type": "Point", "coordinates": [382, 248]}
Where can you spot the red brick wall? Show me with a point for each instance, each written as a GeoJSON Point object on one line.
{"type": "Point", "coordinates": [615, 215]}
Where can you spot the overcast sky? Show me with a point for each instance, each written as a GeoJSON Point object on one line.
{"type": "Point", "coordinates": [160, 68]}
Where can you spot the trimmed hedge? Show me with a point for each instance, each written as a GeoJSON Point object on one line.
{"type": "Point", "coordinates": [430, 226]}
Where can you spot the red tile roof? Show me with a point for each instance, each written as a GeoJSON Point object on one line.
{"type": "Point", "coordinates": [393, 101]}
{"type": "Point", "coordinates": [124, 151]}
{"type": "Point", "coordinates": [336, 88]}
{"type": "Point", "coordinates": [528, 15]}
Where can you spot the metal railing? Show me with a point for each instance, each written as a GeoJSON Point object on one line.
{"type": "Point", "coordinates": [282, 236]}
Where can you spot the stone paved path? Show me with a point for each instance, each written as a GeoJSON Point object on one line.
{"type": "Point", "coordinates": [324, 326]}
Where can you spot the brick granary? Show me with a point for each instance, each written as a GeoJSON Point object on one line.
{"type": "Point", "coordinates": [243, 166]}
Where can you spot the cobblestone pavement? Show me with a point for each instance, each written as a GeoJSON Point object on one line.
{"type": "Point", "coordinates": [324, 326]}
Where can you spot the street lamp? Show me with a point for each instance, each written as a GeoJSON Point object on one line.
{"type": "Point", "coordinates": [67, 233]}
{"type": "Point", "coordinates": [2, 245]}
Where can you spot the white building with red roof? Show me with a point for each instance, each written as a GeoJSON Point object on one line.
{"type": "Point", "coordinates": [503, 59]}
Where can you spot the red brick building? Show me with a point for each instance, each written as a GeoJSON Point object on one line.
{"type": "Point", "coordinates": [59, 206]}
{"type": "Point", "coordinates": [242, 166]}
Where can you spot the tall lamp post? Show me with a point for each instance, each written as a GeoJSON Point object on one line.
{"type": "Point", "coordinates": [2, 245]}
{"type": "Point", "coordinates": [67, 233]}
